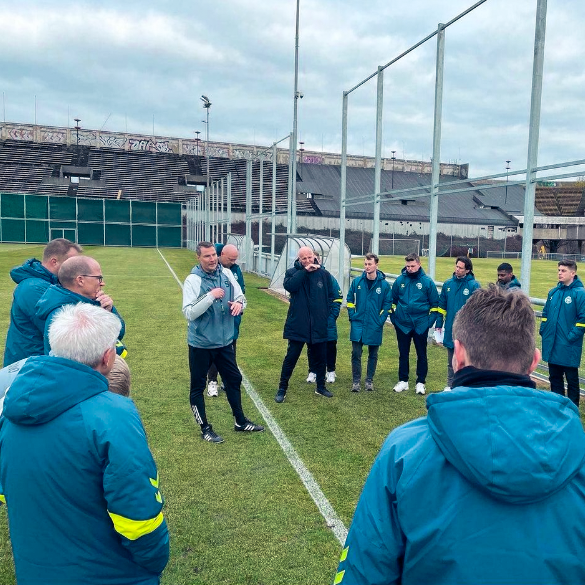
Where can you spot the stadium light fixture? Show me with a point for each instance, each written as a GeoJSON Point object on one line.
{"type": "Point", "coordinates": [393, 159]}
{"type": "Point", "coordinates": [207, 105]}
{"type": "Point", "coordinates": [77, 129]}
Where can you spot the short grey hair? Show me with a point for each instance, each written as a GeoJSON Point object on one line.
{"type": "Point", "coordinates": [83, 333]}
{"type": "Point", "coordinates": [74, 267]}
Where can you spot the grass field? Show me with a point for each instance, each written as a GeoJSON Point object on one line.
{"type": "Point", "coordinates": [238, 513]}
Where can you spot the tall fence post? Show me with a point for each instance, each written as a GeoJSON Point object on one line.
{"type": "Point", "coordinates": [343, 192]}
{"type": "Point", "coordinates": [434, 205]}
{"type": "Point", "coordinates": [533, 135]}
{"type": "Point", "coordinates": [378, 168]}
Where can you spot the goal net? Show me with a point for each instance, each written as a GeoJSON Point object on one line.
{"type": "Point", "coordinates": [500, 254]}
{"type": "Point", "coordinates": [401, 247]}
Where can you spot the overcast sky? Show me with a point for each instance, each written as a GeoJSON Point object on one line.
{"type": "Point", "coordinates": [117, 64]}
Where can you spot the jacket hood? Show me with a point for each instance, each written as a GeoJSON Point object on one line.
{"type": "Point", "coordinates": [56, 296]}
{"type": "Point", "coordinates": [467, 277]}
{"type": "Point", "coordinates": [577, 283]}
{"type": "Point", "coordinates": [519, 445]}
{"type": "Point", "coordinates": [420, 272]}
{"type": "Point", "coordinates": [200, 272]}
{"type": "Point", "coordinates": [32, 268]}
{"type": "Point", "coordinates": [379, 275]}
{"type": "Point", "coordinates": [47, 386]}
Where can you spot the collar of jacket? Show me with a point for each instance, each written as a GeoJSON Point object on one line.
{"type": "Point", "coordinates": [476, 378]}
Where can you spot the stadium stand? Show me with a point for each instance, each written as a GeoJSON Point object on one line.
{"type": "Point", "coordinates": [563, 199]}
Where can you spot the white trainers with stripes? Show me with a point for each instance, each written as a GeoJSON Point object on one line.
{"type": "Point", "coordinates": [401, 387]}
{"type": "Point", "coordinates": [248, 427]}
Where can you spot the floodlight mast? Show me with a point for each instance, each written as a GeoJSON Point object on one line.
{"type": "Point", "coordinates": [207, 105]}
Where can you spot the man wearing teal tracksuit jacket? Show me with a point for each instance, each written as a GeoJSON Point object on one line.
{"type": "Point", "coordinates": [562, 328]}
{"type": "Point", "coordinates": [454, 294]}
{"type": "Point", "coordinates": [488, 487]}
{"type": "Point", "coordinates": [369, 301]}
{"type": "Point", "coordinates": [79, 482]}
{"type": "Point", "coordinates": [25, 333]}
{"type": "Point", "coordinates": [416, 299]}
{"type": "Point", "coordinates": [81, 282]}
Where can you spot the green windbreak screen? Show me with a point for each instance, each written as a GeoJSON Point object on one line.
{"type": "Point", "coordinates": [169, 237]}
{"type": "Point", "coordinates": [63, 208]}
{"type": "Point", "coordinates": [99, 222]}
{"type": "Point", "coordinates": [117, 211]}
{"type": "Point", "coordinates": [37, 231]}
{"type": "Point", "coordinates": [169, 214]}
{"type": "Point", "coordinates": [90, 233]}
{"type": "Point", "coordinates": [118, 235]}
{"type": "Point", "coordinates": [143, 212]}
{"type": "Point", "coordinates": [12, 205]}
{"type": "Point", "coordinates": [90, 210]}
{"type": "Point", "coordinates": [37, 207]}
{"type": "Point", "coordinates": [13, 230]}
{"type": "Point", "coordinates": [143, 235]}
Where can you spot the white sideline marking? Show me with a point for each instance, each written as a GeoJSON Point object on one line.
{"type": "Point", "coordinates": [325, 508]}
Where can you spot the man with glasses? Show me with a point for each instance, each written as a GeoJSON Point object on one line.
{"type": "Point", "coordinates": [81, 281]}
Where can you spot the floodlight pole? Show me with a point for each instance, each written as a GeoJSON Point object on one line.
{"type": "Point", "coordinates": [378, 167]}
{"type": "Point", "coordinates": [533, 135]}
{"type": "Point", "coordinates": [207, 105]}
{"type": "Point", "coordinates": [273, 214]}
{"type": "Point", "coordinates": [77, 129]}
{"type": "Point", "coordinates": [297, 94]}
{"type": "Point", "coordinates": [434, 205]}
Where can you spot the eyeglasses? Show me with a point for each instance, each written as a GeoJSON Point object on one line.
{"type": "Point", "coordinates": [98, 276]}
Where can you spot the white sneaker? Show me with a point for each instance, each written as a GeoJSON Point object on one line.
{"type": "Point", "coordinates": [212, 389]}
{"type": "Point", "coordinates": [447, 389]}
{"type": "Point", "coordinates": [401, 387]}
{"type": "Point", "coordinates": [311, 378]}
{"type": "Point", "coordinates": [420, 388]}
{"type": "Point", "coordinates": [330, 377]}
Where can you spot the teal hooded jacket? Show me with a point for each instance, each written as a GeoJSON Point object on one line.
{"type": "Point", "coordinates": [416, 299]}
{"type": "Point", "coordinates": [25, 333]}
{"type": "Point", "coordinates": [454, 294]}
{"type": "Point", "coordinates": [78, 480]}
{"type": "Point", "coordinates": [368, 308]}
{"type": "Point", "coordinates": [487, 489]}
{"type": "Point", "coordinates": [56, 297]}
{"type": "Point", "coordinates": [563, 324]}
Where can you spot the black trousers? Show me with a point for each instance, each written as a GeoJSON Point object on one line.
{"type": "Point", "coordinates": [225, 360]}
{"type": "Point", "coordinates": [212, 373]}
{"type": "Point", "coordinates": [420, 344]}
{"type": "Point", "coordinates": [450, 371]}
{"type": "Point", "coordinates": [331, 356]}
{"type": "Point", "coordinates": [557, 382]}
{"type": "Point", "coordinates": [318, 357]}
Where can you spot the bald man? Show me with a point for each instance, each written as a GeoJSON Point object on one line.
{"type": "Point", "coordinates": [81, 281]}
{"type": "Point", "coordinates": [228, 258]}
{"type": "Point", "coordinates": [312, 300]}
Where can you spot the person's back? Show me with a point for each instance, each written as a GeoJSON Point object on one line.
{"type": "Point", "coordinates": [83, 503]}
{"type": "Point", "coordinates": [488, 488]}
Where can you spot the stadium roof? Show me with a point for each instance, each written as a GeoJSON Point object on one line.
{"type": "Point", "coordinates": [477, 206]}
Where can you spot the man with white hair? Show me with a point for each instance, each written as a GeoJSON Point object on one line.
{"type": "Point", "coordinates": [76, 474]}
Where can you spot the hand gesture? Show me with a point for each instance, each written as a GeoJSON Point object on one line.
{"type": "Point", "coordinates": [104, 300]}
{"type": "Point", "coordinates": [235, 308]}
{"type": "Point", "coordinates": [217, 293]}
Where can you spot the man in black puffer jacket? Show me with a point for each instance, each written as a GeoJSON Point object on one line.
{"type": "Point", "coordinates": [311, 301]}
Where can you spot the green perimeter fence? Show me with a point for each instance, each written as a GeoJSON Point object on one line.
{"type": "Point", "coordinates": [36, 219]}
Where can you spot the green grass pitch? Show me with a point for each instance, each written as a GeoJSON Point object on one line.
{"type": "Point", "coordinates": [238, 513]}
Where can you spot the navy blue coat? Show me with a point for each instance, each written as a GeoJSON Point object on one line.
{"type": "Point", "coordinates": [25, 333]}
{"type": "Point", "coordinates": [368, 308]}
{"type": "Point", "coordinates": [563, 324]}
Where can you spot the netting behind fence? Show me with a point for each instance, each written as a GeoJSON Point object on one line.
{"type": "Point", "coordinates": [400, 247]}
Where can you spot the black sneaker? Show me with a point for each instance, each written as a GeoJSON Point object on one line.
{"type": "Point", "coordinates": [208, 434]}
{"type": "Point", "coordinates": [248, 427]}
{"type": "Point", "coordinates": [324, 392]}
{"type": "Point", "coordinates": [280, 395]}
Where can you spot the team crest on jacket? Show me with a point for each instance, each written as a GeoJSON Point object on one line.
{"type": "Point", "coordinates": [465, 291]}
{"type": "Point", "coordinates": [568, 300]}
{"type": "Point", "coordinates": [419, 285]}
{"type": "Point", "coordinates": [320, 284]}
{"type": "Point", "coordinates": [379, 290]}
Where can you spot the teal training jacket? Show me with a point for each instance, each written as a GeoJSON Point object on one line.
{"type": "Point", "coordinates": [26, 331]}
{"type": "Point", "coordinates": [487, 489]}
{"type": "Point", "coordinates": [454, 294]}
{"type": "Point", "coordinates": [78, 480]}
{"type": "Point", "coordinates": [563, 324]}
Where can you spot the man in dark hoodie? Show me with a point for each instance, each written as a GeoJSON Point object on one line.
{"type": "Point", "coordinates": [81, 281]}
{"type": "Point", "coordinates": [506, 466]}
{"type": "Point", "coordinates": [311, 302]}
{"type": "Point", "coordinates": [562, 328]}
{"type": "Point", "coordinates": [79, 482]}
{"type": "Point", "coordinates": [416, 299]}
{"type": "Point", "coordinates": [506, 278]}
{"type": "Point", "coordinates": [25, 333]}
